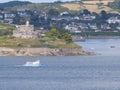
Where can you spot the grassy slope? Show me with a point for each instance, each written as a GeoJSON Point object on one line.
{"type": "Point", "coordinates": [90, 5]}
{"type": "Point", "coordinates": [6, 29]}
{"type": "Point", "coordinates": [42, 7]}
{"type": "Point", "coordinates": [74, 6]}
{"type": "Point", "coordinates": [35, 43]}
{"type": "Point", "coordinates": [97, 1]}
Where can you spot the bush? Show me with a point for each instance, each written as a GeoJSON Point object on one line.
{"type": "Point", "coordinates": [56, 34]}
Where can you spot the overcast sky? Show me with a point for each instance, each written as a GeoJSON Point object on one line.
{"type": "Point", "coordinates": [35, 1]}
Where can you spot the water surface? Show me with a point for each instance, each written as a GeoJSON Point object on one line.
{"type": "Point", "coordinates": [100, 72]}
{"type": "Point", "coordinates": [105, 47]}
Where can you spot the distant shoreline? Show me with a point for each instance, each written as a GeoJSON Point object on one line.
{"type": "Point", "coordinates": [103, 37]}
{"type": "Point", "coordinates": [95, 37]}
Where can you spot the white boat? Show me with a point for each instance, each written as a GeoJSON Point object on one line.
{"type": "Point", "coordinates": [33, 64]}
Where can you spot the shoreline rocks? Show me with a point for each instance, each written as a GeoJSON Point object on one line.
{"type": "Point", "coordinates": [43, 52]}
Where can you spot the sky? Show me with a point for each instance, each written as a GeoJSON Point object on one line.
{"type": "Point", "coordinates": [34, 1]}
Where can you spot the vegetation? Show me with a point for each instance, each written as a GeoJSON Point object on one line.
{"type": "Point", "coordinates": [55, 34]}
{"type": "Point", "coordinates": [12, 42]}
{"type": "Point", "coordinates": [14, 3]}
{"type": "Point", "coordinates": [115, 5]}
{"type": "Point", "coordinates": [41, 7]}
{"type": "Point", "coordinates": [6, 29]}
{"type": "Point", "coordinates": [53, 39]}
{"type": "Point", "coordinates": [91, 5]}
{"type": "Point", "coordinates": [68, 6]}
{"type": "Point", "coordinates": [56, 37]}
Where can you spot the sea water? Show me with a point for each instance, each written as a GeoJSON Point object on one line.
{"type": "Point", "coordinates": [106, 47]}
{"type": "Point", "coordinates": [100, 72]}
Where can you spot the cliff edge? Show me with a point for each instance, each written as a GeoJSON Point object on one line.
{"type": "Point", "coordinates": [42, 52]}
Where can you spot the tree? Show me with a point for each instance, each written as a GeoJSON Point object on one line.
{"type": "Point", "coordinates": [68, 37]}
{"type": "Point", "coordinates": [14, 3]}
{"type": "Point", "coordinates": [53, 12]}
{"type": "Point", "coordinates": [34, 19]}
{"type": "Point", "coordinates": [104, 15]}
{"type": "Point", "coordinates": [54, 33]}
{"type": "Point", "coordinates": [18, 20]}
{"type": "Point", "coordinates": [86, 12]}
{"type": "Point", "coordinates": [115, 4]}
{"type": "Point", "coordinates": [59, 34]}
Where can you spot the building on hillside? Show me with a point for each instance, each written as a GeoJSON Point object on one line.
{"type": "Point", "coordinates": [27, 31]}
{"type": "Point", "coordinates": [88, 17]}
{"type": "Point", "coordinates": [8, 17]}
{"type": "Point", "coordinates": [113, 20]}
{"type": "Point", "coordinates": [22, 12]}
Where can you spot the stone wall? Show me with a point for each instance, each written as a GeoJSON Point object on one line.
{"type": "Point", "coordinates": [26, 31]}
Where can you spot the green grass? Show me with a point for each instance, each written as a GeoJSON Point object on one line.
{"type": "Point", "coordinates": [12, 42]}
{"type": "Point", "coordinates": [42, 6]}
{"type": "Point", "coordinates": [6, 29]}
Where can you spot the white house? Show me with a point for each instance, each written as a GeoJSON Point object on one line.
{"type": "Point", "coordinates": [113, 20]}
{"type": "Point", "coordinates": [92, 26]}
{"type": "Point", "coordinates": [88, 17]}
{"type": "Point", "coordinates": [64, 13]}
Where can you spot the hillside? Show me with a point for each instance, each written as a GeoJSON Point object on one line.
{"type": "Point", "coordinates": [91, 5]}
{"type": "Point", "coordinates": [42, 7]}
{"type": "Point", "coordinates": [105, 2]}
{"type": "Point", "coordinates": [115, 5]}
{"type": "Point", "coordinates": [6, 29]}
{"type": "Point", "coordinates": [14, 3]}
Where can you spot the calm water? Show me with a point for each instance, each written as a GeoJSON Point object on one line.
{"type": "Point", "coordinates": [101, 72]}
{"type": "Point", "coordinates": [102, 46]}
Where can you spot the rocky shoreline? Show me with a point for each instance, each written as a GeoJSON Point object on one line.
{"type": "Point", "coordinates": [42, 52]}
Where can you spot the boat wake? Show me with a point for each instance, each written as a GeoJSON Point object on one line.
{"type": "Point", "coordinates": [33, 64]}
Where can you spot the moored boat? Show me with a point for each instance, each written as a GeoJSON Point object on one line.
{"type": "Point", "coordinates": [112, 46]}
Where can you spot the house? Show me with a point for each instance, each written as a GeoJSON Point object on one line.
{"type": "Point", "coordinates": [97, 30]}
{"type": "Point", "coordinates": [22, 12]}
{"type": "Point", "coordinates": [8, 17]}
{"type": "Point", "coordinates": [113, 20]}
{"type": "Point", "coordinates": [105, 26]}
{"type": "Point", "coordinates": [76, 18]}
{"type": "Point", "coordinates": [1, 16]}
{"type": "Point", "coordinates": [92, 26]}
{"type": "Point", "coordinates": [73, 28]}
{"type": "Point", "coordinates": [82, 26]}
{"type": "Point", "coordinates": [26, 31]}
{"type": "Point", "coordinates": [64, 13]}
{"type": "Point", "coordinates": [118, 27]}
{"type": "Point", "coordinates": [88, 17]}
